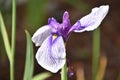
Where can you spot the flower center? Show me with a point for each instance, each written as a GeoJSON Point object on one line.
{"type": "Point", "coordinates": [54, 37]}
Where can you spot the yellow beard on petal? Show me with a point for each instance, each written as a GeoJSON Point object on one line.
{"type": "Point", "coordinates": [54, 37]}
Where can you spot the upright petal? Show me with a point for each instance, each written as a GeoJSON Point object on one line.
{"type": "Point", "coordinates": [51, 54]}
{"type": "Point", "coordinates": [93, 20]}
{"type": "Point", "coordinates": [54, 25]}
{"type": "Point", "coordinates": [66, 20]}
{"type": "Point", "coordinates": [41, 34]}
{"type": "Point", "coordinates": [65, 15]}
{"type": "Point", "coordinates": [52, 21]}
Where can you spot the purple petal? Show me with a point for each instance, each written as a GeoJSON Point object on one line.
{"type": "Point", "coordinates": [65, 15]}
{"type": "Point", "coordinates": [66, 20]}
{"type": "Point", "coordinates": [76, 26]}
{"type": "Point", "coordinates": [53, 23]}
{"type": "Point", "coordinates": [51, 54]}
{"type": "Point", "coordinates": [93, 20]}
{"type": "Point", "coordinates": [55, 26]}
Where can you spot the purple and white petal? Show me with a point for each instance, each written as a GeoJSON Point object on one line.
{"type": "Point", "coordinates": [76, 26]}
{"type": "Point", "coordinates": [93, 20]}
{"type": "Point", "coordinates": [59, 52]}
{"type": "Point", "coordinates": [51, 54]}
{"type": "Point", "coordinates": [41, 34]}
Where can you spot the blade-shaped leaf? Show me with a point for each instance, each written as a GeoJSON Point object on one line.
{"type": "Point", "coordinates": [41, 76]}
{"type": "Point", "coordinates": [5, 37]}
{"type": "Point", "coordinates": [29, 64]}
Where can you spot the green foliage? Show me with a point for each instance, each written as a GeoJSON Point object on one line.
{"type": "Point", "coordinates": [41, 76]}
{"type": "Point", "coordinates": [7, 47]}
{"type": "Point", "coordinates": [29, 63]}
{"type": "Point", "coordinates": [5, 37]}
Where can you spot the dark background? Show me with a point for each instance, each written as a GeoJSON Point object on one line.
{"type": "Point", "coordinates": [32, 15]}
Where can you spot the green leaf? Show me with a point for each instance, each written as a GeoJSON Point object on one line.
{"type": "Point", "coordinates": [41, 76]}
{"type": "Point", "coordinates": [29, 64]}
{"type": "Point", "coordinates": [5, 37]}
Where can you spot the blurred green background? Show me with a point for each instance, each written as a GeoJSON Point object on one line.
{"type": "Point", "coordinates": [32, 14]}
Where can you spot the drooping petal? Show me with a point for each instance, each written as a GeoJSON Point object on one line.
{"type": "Point", "coordinates": [93, 20]}
{"type": "Point", "coordinates": [51, 54]}
{"type": "Point", "coordinates": [41, 34]}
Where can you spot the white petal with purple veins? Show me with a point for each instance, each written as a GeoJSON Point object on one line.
{"type": "Point", "coordinates": [93, 20]}
{"type": "Point", "coordinates": [51, 54]}
{"type": "Point", "coordinates": [41, 34]}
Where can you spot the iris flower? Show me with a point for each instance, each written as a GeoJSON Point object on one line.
{"type": "Point", "coordinates": [52, 37]}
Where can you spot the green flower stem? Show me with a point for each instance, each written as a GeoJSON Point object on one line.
{"type": "Point", "coordinates": [64, 72]}
{"type": "Point", "coordinates": [12, 69]}
{"type": "Point", "coordinates": [13, 39]}
{"type": "Point", "coordinates": [13, 26]}
{"type": "Point", "coordinates": [96, 53]}
{"type": "Point", "coordinates": [10, 49]}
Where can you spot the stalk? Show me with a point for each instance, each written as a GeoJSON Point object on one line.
{"type": "Point", "coordinates": [96, 53]}
{"type": "Point", "coordinates": [13, 39]}
{"type": "Point", "coordinates": [64, 72]}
